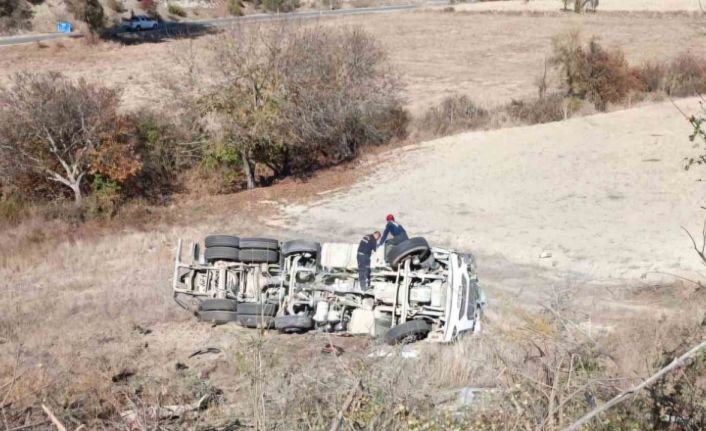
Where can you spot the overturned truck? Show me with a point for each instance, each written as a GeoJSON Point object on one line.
{"type": "Point", "coordinates": [416, 291]}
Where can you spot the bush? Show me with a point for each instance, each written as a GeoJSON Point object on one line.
{"type": "Point", "coordinates": [554, 107]}
{"type": "Point", "coordinates": [455, 113]}
{"type": "Point", "coordinates": [176, 9]}
{"type": "Point", "coordinates": [685, 76]}
{"type": "Point", "coordinates": [52, 128]}
{"type": "Point", "coordinates": [651, 76]}
{"type": "Point", "coordinates": [280, 5]}
{"type": "Point", "coordinates": [15, 15]}
{"type": "Point", "coordinates": [12, 210]}
{"type": "Point", "coordinates": [116, 5]}
{"type": "Point", "coordinates": [234, 8]}
{"type": "Point", "coordinates": [89, 11]}
{"type": "Point", "coordinates": [164, 154]}
{"type": "Point", "coordinates": [592, 73]}
{"type": "Point", "coordinates": [149, 6]}
{"type": "Point", "coordinates": [322, 95]}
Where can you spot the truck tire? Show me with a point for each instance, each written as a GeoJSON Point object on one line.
{"type": "Point", "coordinates": [299, 247]}
{"type": "Point", "coordinates": [222, 241]}
{"type": "Point", "coordinates": [259, 243]}
{"type": "Point", "coordinates": [252, 321]}
{"type": "Point", "coordinates": [255, 309]}
{"type": "Point", "coordinates": [218, 317]}
{"type": "Point", "coordinates": [294, 323]}
{"type": "Point", "coordinates": [382, 326]}
{"type": "Point", "coordinates": [411, 330]}
{"type": "Point", "coordinates": [258, 256]}
{"type": "Point", "coordinates": [218, 305]}
{"type": "Point", "coordinates": [221, 253]}
{"type": "Point", "coordinates": [412, 247]}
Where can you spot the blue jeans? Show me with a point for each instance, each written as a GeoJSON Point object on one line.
{"type": "Point", "coordinates": [363, 271]}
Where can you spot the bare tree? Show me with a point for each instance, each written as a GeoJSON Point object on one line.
{"type": "Point", "coordinates": [50, 125]}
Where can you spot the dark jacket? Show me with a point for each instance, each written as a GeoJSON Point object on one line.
{"type": "Point", "coordinates": [367, 245]}
{"type": "Point", "coordinates": [393, 228]}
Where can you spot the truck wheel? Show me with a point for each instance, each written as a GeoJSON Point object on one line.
{"type": "Point", "coordinates": [218, 305]}
{"type": "Point", "coordinates": [255, 309]}
{"type": "Point", "coordinates": [259, 243]}
{"type": "Point", "coordinates": [218, 317]}
{"type": "Point", "coordinates": [299, 247]}
{"type": "Point", "coordinates": [412, 247]}
{"type": "Point", "coordinates": [294, 323]}
{"type": "Point", "coordinates": [382, 326]}
{"type": "Point", "coordinates": [222, 241]}
{"type": "Point", "coordinates": [221, 253]}
{"type": "Point", "coordinates": [252, 321]}
{"type": "Point", "coordinates": [408, 331]}
{"type": "Point", "coordinates": [258, 256]}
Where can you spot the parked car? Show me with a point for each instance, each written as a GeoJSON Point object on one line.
{"type": "Point", "coordinates": [416, 291]}
{"type": "Point", "coordinates": [140, 22]}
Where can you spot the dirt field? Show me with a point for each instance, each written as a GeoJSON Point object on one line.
{"type": "Point", "coordinates": [491, 57]}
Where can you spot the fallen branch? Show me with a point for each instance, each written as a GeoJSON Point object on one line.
{"type": "Point", "coordinates": [339, 417]}
{"type": "Point", "coordinates": [676, 363]}
{"type": "Point", "coordinates": [53, 418]}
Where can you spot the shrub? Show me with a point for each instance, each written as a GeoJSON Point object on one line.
{"type": "Point", "coordinates": [12, 209]}
{"type": "Point", "coordinates": [554, 107]}
{"type": "Point", "coordinates": [105, 198]}
{"type": "Point", "coordinates": [322, 94]}
{"type": "Point", "coordinates": [592, 73]}
{"type": "Point", "coordinates": [234, 8]}
{"type": "Point", "coordinates": [89, 11]}
{"type": "Point", "coordinates": [116, 5]}
{"type": "Point", "coordinates": [15, 15]}
{"type": "Point", "coordinates": [51, 127]}
{"type": "Point", "coordinates": [686, 76]}
{"type": "Point", "coordinates": [149, 6]}
{"type": "Point", "coordinates": [176, 9]}
{"type": "Point", "coordinates": [280, 5]}
{"type": "Point", "coordinates": [651, 76]}
{"type": "Point", "coordinates": [455, 113]}
{"type": "Point", "coordinates": [164, 153]}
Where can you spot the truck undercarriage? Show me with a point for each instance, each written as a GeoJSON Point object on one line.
{"type": "Point", "coordinates": [416, 291]}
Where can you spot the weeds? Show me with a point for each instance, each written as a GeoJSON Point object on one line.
{"type": "Point", "coordinates": [453, 114]}
{"type": "Point", "coordinates": [176, 10]}
{"type": "Point", "coordinates": [116, 6]}
{"type": "Point", "coordinates": [235, 8]}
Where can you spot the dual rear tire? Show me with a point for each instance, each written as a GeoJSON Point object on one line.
{"type": "Point", "coordinates": [218, 311]}
{"type": "Point", "coordinates": [248, 250]}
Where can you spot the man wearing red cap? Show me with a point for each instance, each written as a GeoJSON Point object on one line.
{"type": "Point", "coordinates": [395, 229]}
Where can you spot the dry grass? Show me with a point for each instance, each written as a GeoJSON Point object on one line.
{"type": "Point", "coordinates": [76, 301]}
{"type": "Point", "coordinates": [491, 58]}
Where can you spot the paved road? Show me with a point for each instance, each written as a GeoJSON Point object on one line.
{"type": "Point", "coordinates": [220, 22]}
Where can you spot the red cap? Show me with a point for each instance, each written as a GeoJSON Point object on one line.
{"type": "Point", "coordinates": [390, 217]}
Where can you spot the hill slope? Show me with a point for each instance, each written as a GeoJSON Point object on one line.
{"type": "Point", "coordinates": [604, 195]}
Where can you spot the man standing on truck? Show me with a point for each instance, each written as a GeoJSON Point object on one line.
{"type": "Point", "coordinates": [365, 250]}
{"type": "Point", "coordinates": [395, 229]}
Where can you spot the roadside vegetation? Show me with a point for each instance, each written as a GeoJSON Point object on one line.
{"type": "Point", "coordinates": [586, 78]}
{"type": "Point", "coordinates": [286, 101]}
